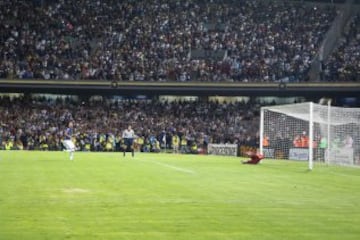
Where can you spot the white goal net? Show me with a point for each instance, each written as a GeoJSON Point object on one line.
{"type": "Point", "coordinates": [311, 132]}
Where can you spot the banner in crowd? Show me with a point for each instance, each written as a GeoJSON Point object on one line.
{"type": "Point", "coordinates": [299, 154]}
{"type": "Point", "coordinates": [341, 156]}
{"type": "Point", "coordinates": [223, 149]}
{"type": "Point", "coordinates": [338, 156]}
{"type": "Point", "coordinates": [269, 152]}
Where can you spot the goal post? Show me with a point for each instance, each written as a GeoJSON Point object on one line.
{"type": "Point", "coordinates": [311, 132]}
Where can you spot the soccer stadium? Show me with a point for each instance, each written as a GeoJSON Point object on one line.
{"type": "Point", "coordinates": [191, 119]}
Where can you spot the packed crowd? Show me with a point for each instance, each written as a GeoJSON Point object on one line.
{"type": "Point", "coordinates": [40, 124]}
{"type": "Point", "coordinates": [155, 40]}
{"type": "Point", "coordinates": [344, 63]}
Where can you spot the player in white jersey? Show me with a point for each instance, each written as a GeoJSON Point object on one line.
{"type": "Point", "coordinates": [128, 136]}
{"type": "Point", "coordinates": [68, 143]}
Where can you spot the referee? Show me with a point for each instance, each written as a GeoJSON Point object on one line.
{"type": "Point", "coordinates": [128, 136]}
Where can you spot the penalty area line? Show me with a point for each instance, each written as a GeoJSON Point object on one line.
{"type": "Point", "coordinates": [176, 168]}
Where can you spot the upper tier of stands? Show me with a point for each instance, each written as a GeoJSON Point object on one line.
{"type": "Point", "coordinates": [344, 63]}
{"type": "Point", "coordinates": [190, 40]}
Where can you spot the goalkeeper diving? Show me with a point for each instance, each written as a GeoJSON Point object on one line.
{"type": "Point", "coordinates": [255, 157]}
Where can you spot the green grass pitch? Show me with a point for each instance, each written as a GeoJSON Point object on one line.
{"type": "Point", "coordinates": [44, 195]}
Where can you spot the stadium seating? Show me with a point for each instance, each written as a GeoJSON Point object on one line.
{"type": "Point", "coordinates": [40, 123]}
{"type": "Point", "coordinates": [344, 63]}
{"type": "Point", "coordinates": [217, 41]}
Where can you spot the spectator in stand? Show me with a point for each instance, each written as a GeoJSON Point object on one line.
{"type": "Point", "coordinates": [304, 140]}
{"type": "Point", "coordinates": [348, 142]}
{"type": "Point", "coordinates": [297, 141]}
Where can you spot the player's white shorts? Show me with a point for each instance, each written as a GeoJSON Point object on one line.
{"type": "Point", "coordinates": [69, 145]}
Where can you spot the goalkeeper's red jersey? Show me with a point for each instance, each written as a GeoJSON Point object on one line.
{"type": "Point", "coordinates": [255, 158]}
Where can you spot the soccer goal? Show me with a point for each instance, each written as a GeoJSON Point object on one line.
{"type": "Point", "coordinates": [311, 132]}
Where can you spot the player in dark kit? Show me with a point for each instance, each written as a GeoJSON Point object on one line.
{"type": "Point", "coordinates": [128, 136]}
{"type": "Point", "coordinates": [255, 157]}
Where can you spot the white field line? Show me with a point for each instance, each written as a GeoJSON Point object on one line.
{"type": "Point", "coordinates": [179, 169]}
